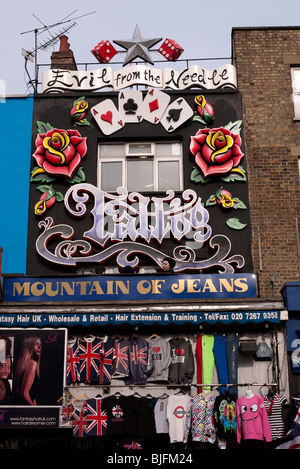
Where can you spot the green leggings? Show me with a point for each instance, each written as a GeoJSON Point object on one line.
{"type": "Point", "coordinates": [208, 359]}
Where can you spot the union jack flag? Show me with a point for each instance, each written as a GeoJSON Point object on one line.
{"type": "Point", "coordinates": [117, 411]}
{"type": "Point", "coordinates": [73, 374]}
{"type": "Point", "coordinates": [89, 359]}
{"type": "Point", "coordinates": [133, 445]}
{"type": "Point", "coordinates": [139, 355]}
{"type": "Point", "coordinates": [80, 423]}
{"type": "Point", "coordinates": [107, 355]}
{"type": "Point", "coordinates": [121, 358]}
{"type": "Point", "coordinates": [67, 412]}
{"type": "Point", "coordinates": [96, 417]}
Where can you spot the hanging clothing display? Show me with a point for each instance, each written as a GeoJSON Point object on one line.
{"type": "Point", "coordinates": [225, 416]}
{"type": "Point", "coordinates": [208, 359]}
{"type": "Point", "coordinates": [96, 417]}
{"type": "Point", "coordinates": [252, 419]}
{"type": "Point", "coordinates": [161, 356]}
{"type": "Point", "coordinates": [140, 361]}
{"type": "Point", "coordinates": [292, 437]}
{"type": "Point", "coordinates": [79, 423]}
{"type": "Point", "coordinates": [219, 350]}
{"type": "Point", "coordinates": [199, 361]}
{"type": "Point", "coordinates": [89, 357]}
{"type": "Point", "coordinates": [160, 414]}
{"type": "Point", "coordinates": [232, 355]}
{"type": "Point", "coordinates": [106, 359]}
{"type": "Point", "coordinates": [146, 421]}
{"type": "Point", "coordinates": [176, 415]}
{"type": "Point", "coordinates": [199, 419]}
{"type": "Point", "coordinates": [120, 368]}
{"type": "Point", "coordinates": [181, 369]}
{"type": "Point", "coordinates": [274, 404]}
{"type": "Point", "coordinates": [73, 362]}
{"type": "Point", "coordinates": [115, 408]}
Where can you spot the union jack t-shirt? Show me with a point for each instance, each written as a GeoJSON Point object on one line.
{"type": "Point", "coordinates": [140, 361]}
{"type": "Point", "coordinates": [95, 416]}
{"type": "Point", "coordinates": [73, 362]}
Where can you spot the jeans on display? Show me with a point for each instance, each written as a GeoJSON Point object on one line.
{"type": "Point", "coordinates": [221, 360]}
{"type": "Point", "coordinates": [232, 353]}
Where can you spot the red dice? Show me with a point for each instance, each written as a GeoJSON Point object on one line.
{"type": "Point", "coordinates": [170, 49]}
{"type": "Point", "coordinates": [104, 51]}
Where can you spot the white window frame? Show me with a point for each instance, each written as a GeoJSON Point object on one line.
{"type": "Point", "coordinates": [296, 91]}
{"type": "Point", "coordinates": [127, 156]}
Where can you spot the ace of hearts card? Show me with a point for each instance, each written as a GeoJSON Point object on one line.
{"type": "Point", "coordinates": [108, 117]}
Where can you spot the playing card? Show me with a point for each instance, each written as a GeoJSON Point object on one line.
{"type": "Point", "coordinates": [108, 117]}
{"type": "Point", "coordinates": [154, 105]}
{"type": "Point", "coordinates": [131, 105]}
{"type": "Point", "coordinates": [176, 114]}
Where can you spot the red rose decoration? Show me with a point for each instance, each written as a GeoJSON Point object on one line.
{"type": "Point", "coordinates": [216, 151]}
{"type": "Point", "coordinates": [59, 152]}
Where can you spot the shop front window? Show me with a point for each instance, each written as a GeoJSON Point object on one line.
{"type": "Point", "coordinates": [141, 167]}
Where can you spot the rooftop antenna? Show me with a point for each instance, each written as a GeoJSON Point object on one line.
{"type": "Point", "coordinates": [54, 38]}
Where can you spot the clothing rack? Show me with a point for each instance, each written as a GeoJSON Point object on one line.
{"type": "Point", "coordinates": [177, 385]}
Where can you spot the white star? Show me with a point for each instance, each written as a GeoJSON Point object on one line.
{"type": "Point", "coordinates": [137, 47]}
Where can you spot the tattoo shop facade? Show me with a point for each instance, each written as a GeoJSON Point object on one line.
{"type": "Point", "coordinates": [129, 167]}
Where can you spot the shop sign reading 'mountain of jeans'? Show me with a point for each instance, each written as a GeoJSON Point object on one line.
{"type": "Point", "coordinates": [133, 287]}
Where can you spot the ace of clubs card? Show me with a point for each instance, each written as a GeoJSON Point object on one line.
{"type": "Point", "coordinates": [108, 117]}
{"type": "Point", "coordinates": [131, 106]}
{"type": "Point", "coordinates": [154, 105]}
{"type": "Point", "coordinates": [176, 114]}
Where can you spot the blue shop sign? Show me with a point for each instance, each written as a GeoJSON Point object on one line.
{"type": "Point", "coordinates": [146, 318]}
{"type": "Point", "coordinates": [130, 287]}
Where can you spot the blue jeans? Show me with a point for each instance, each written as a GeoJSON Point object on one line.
{"type": "Point", "coordinates": [221, 360]}
{"type": "Point", "coordinates": [232, 353]}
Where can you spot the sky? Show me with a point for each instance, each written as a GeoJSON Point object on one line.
{"type": "Point", "coordinates": [203, 29]}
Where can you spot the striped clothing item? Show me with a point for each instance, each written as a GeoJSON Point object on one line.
{"type": "Point", "coordinates": [274, 410]}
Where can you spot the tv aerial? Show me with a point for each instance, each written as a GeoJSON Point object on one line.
{"type": "Point", "coordinates": [32, 55]}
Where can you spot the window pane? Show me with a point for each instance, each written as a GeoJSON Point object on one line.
{"type": "Point", "coordinates": [168, 175]}
{"type": "Point", "coordinates": [296, 79]}
{"type": "Point", "coordinates": [168, 149]}
{"type": "Point", "coordinates": [140, 175]}
{"type": "Point", "coordinates": [139, 148]}
{"type": "Point", "coordinates": [296, 99]}
{"type": "Point", "coordinates": [111, 176]}
{"type": "Point", "coordinates": [112, 151]}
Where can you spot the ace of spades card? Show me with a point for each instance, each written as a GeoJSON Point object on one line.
{"type": "Point", "coordinates": [176, 114]}
{"type": "Point", "coordinates": [108, 117]}
{"type": "Point", "coordinates": [130, 105]}
{"type": "Point", "coordinates": [154, 105]}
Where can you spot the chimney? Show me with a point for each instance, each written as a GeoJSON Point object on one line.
{"type": "Point", "coordinates": [64, 59]}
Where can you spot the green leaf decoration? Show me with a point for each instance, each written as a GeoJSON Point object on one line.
{"type": "Point", "coordinates": [235, 224]}
{"type": "Point", "coordinates": [43, 128]}
{"type": "Point", "coordinates": [197, 176]}
{"type": "Point", "coordinates": [240, 204]}
{"type": "Point", "coordinates": [211, 201]}
{"type": "Point", "coordinates": [235, 176]}
{"type": "Point", "coordinates": [234, 127]}
{"type": "Point", "coordinates": [59, 197]}
{"type": "Point", "coordinates": [199, 119]}
{"type": "Point", "coordinates": [82, 122]}
{"type": "Point", "coordinates": [41, 177]}
{"type": "Point", "coordinates": [78, 177]}
{"type": "Point", "coordinates": [44, 188]}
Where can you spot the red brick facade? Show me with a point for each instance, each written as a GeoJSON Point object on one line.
{"type": "Point", "coordinates": [263, 58]}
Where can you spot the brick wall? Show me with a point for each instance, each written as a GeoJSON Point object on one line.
{"type": "Point", "coordinates": [263, 58]}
